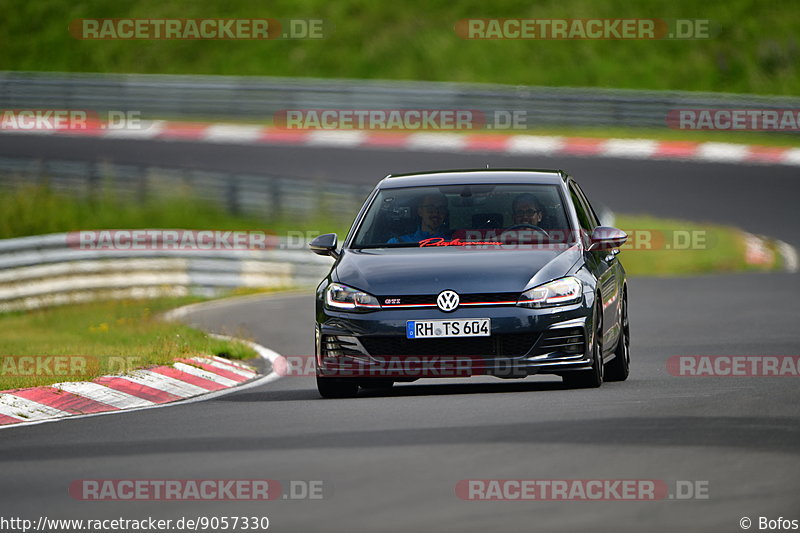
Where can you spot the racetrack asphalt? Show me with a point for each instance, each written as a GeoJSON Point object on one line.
{"type": "Point", "coordinates": [391, 461]}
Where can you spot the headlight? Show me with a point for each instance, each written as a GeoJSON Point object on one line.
{"type": "Point", "coordinates": [338, 296]}
{"type": "Point", "coordinates": [562, 291]}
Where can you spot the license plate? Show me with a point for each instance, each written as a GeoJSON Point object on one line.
{"type": "Point", "coordinates": [428, 329]}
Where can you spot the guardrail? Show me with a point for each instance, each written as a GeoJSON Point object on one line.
{"type": "Point", "coordinates": [45, 270]}
{"type": "Point", "coordinates": [258, 98]}
{"type": "Point", "coordinates": [260, 195]}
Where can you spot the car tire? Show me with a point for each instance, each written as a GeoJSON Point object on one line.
{"type": "Point", "coordinates": [619, 367]}
{"type": "Point", "coordinates": [376, 384]}
{"type": "Point", "coordinates": [592, 378]}
{"type": "Point", "coordinates": [336, 387]}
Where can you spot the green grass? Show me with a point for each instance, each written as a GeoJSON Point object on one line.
{"type": "Point", "coordinates": [677, 247]}
{"type": "Point", "coordinates": [109, 337]}
{"type": "Point", "coordinates": [755, 50]}
{"type": "Point", "coordinates": [38, 209]}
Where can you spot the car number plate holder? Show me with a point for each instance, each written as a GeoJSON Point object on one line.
{"type": "Point", "coordinates": [437, 329]}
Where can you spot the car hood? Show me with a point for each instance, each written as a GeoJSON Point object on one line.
{"type": "Point", "coordinates": [400, 271]}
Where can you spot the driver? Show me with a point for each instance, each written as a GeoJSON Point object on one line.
{"type": "Point", "coordinates": [432, 210]}
{"type": "Point", "coordinates": [527, 210]}
{"type": "Point", "coordinates": [527, 214]}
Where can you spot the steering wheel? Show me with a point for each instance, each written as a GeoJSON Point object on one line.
{"type": "Point", "coordinates": [526, 226]}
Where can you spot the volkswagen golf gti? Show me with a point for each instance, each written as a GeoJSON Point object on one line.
{"type": "Point", "coordinates": [507, 273]}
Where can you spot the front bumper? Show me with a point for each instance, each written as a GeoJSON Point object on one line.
{"type": "Point", "coordinates": [522, 342]}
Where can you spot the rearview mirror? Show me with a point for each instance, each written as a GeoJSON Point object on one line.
{"type": "Point", "coordinates": [325, 245]}
{"type": "Point", "coordinates": [607, 237]}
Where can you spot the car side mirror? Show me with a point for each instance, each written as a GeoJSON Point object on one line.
{"type": "Point", "coordinates": [325, 245]}
{"type": "Point", "coordinates": [607, 237]}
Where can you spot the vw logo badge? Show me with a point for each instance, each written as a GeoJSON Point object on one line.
{"type": "Point", "coordinates": [447, 300]}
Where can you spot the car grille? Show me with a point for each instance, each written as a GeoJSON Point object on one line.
{"type": "Point", "coordinates": [561, 340]}
{"type": "Point", "coordinates": [430, 299]}
{"type": "Point", "coordinates": [496, 345]}
{"type": "Point", "coordinates": [555, 341]}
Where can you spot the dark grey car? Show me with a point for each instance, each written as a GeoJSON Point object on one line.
{"type": "Point", "coordinates": [453, 274]}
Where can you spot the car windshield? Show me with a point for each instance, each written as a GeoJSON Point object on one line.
{"type": "Point", "coordinates": [466, 215]}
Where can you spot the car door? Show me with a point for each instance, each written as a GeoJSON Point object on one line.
{"type": "Point", "coordinates": [604, 266]}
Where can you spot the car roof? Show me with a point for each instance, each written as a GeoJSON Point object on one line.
{"type": "Point", "coordinates": [474, 176]}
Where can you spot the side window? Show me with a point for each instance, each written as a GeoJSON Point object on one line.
{"type": "Point", "coordinates": [583, 216]}
{"type": "Point", "coordinates": [590, 210]}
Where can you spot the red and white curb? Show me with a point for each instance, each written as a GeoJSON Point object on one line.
{"type": "Point", "coordinates": [185, 381]}
{"type": "Point", "coordinates": [758, 252]}
{"type": "Point", "coordinates": [712, 152]}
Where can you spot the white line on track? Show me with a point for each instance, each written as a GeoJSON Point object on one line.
{"type": "Point", "coordinates": [723, 152]}
{"type": "Point", "coordinates": [792, 157]}
{"type": "Point", "coordinates": [436, 141]}
{"type": "Point", "coordinates": [534, 144]}
{"type": "Point", "coordinates": [336, 138]}
{"type": "Point", "coordinates": [632, 148]}
{"type": "Point", "coordinates": [232, 133]}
